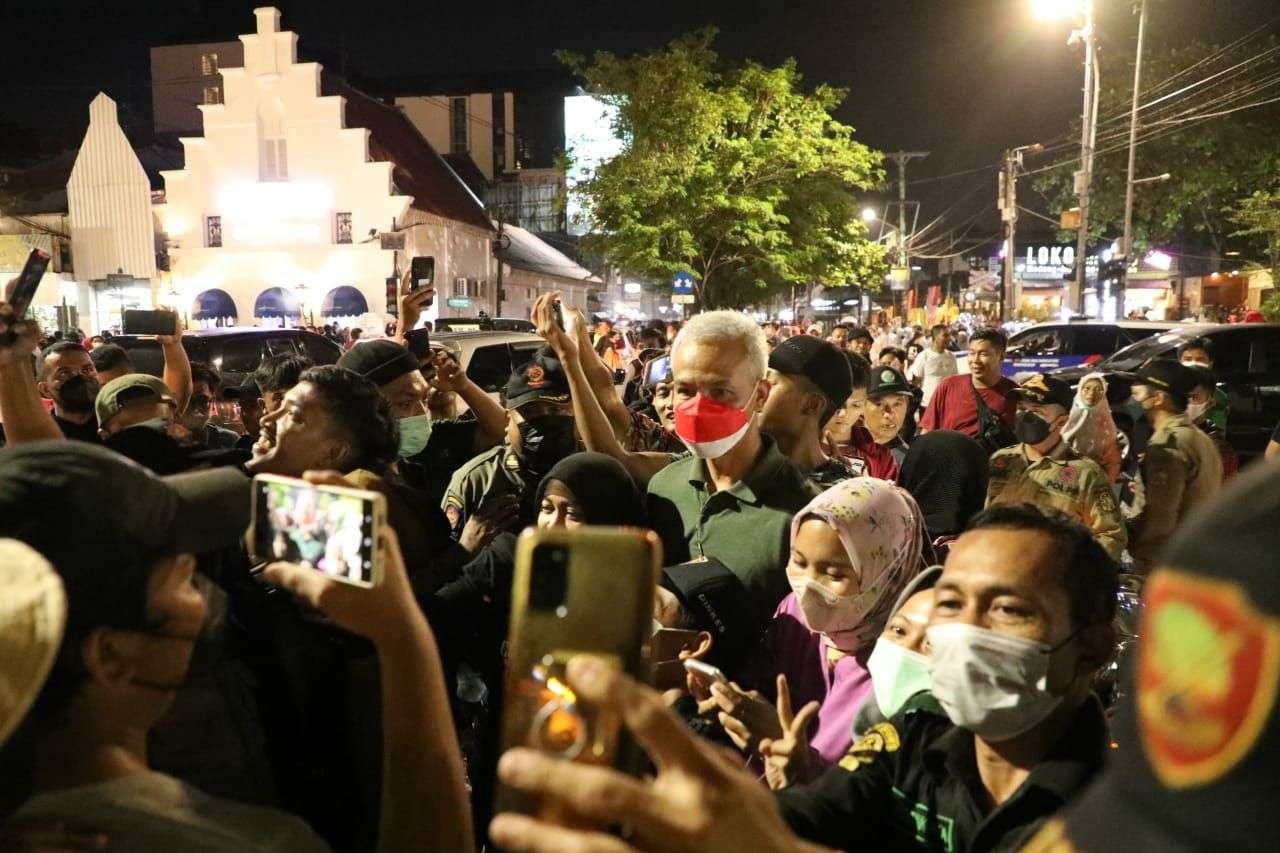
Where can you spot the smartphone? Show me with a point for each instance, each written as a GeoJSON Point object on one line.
{"type": "Point", "coordinates": [706, 670]}
{"type": "Point", "coordinates": [28, 280]}
{"type": "Point", "coordinates": [559, 315]}
{"type": "Point", "coordinates": [422, 272]}
{"type": "Point", "coordinates": [565, 603]}
{"type": "Point", "coordinates": [658, 370]}
{"type": "Point", "coordinates": [418, 342]}
{"type": "Point", "coordinates": [332, 529]}
{"type": "Point", "coordinates": [665, 647]}
{"type": "Point", "coordinates": [138, 322]}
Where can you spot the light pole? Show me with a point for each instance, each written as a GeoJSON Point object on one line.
{"type": "Point", "coordinates": [1008, 204]}
{"type": "Point", "coordinates": [1126, 242]}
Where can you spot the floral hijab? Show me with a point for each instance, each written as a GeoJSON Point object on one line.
{"type": "Point", "coordinates": [882, 531]}
{"type": "Point", "coordinates": [1090, 430]}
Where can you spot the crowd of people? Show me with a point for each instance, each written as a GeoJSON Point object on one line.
{"type": "Point", "coordinates": [900, 582]}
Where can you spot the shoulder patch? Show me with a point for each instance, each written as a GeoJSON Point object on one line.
{"type": "Point", "coordinates": [1208, 667]}
{"type": "Point", "coordinates": [880, 738]}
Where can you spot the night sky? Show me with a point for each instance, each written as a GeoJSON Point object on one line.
{"type": "Point", "coordinates": [961, 78]}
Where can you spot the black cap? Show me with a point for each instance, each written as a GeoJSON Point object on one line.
{"type": "Point", "coordinates": [1199, 729]}
{"type": "Point", "coordinates": [102, 520]}
{"type": "Point", "coordinates": [1204, 376]}
{"type": "Point", "coordinates": [540, 378]}
{"type": "Point", "coordinates": [860, 332]}
{"type": "Point", "coordinates": [886, 380]}
{"type": "Point", "coordinates": [718, 603]}
{"type": "Point", "coordinates": [246, 390]}
{"type": "Point", "coordinates": [1039, 388]}
{"type": "Point", "coordinates": [379, 361]}
{"type": "Point", "coordinates": [1165, 374]}
{"type": "Point", "coordinates": [818, 361]}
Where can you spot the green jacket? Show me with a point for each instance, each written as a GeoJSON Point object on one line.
{"type": "Point", "coordinates": [1180, 470]}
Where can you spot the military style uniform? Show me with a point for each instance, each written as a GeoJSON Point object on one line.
{"type": "Point", "coordinates": [1181, 470]}
{"type": "Point", "coordinates": [492, 474]}
{"type": "Point", "coordinates": [1063, 481]}
{"type": "Point", "coordinates": [913, 784]}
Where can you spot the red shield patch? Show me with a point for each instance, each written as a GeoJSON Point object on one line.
{"type": "Point", "coordinates": [534, 376]}
{"type": "Point", "coordinates": [1208, 664]}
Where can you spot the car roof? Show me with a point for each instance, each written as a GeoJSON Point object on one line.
{"type": "Point", "coordinates": [1122, 324]}
{"type": "Point", "coordinates": [469, 336]}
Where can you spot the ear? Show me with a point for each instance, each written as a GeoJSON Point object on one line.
{"type": "Point", "coordinates": [763, 388]}
{"type": "Point", "coordinates": [705, 642]}
{"type": "Point", "coordinates": [338, 452]}
{"type": "Point", "coordinates": [108, 656]}
{"type": "Point", "coordinates": [1097, 645]}
{"type": "Point", "coordinates": [814, 404]}
{"type": "Point", "coordinates": [43, 387]}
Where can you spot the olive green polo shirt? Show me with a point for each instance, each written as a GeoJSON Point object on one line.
{"type": "Point", "coordinates": [747, 527]}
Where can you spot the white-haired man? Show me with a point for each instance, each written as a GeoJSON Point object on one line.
{"type": "Point", "coordinates": [732, 499]}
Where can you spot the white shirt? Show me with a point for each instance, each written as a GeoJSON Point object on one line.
{"type": "Point", "coordinates": [931, 368]}
{"type": "Point", "coordinates": [152, 811]}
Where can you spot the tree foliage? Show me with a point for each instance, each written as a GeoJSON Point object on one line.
{"type": "Point", "coordinates": [737, 174]}
{"type": "Point", "coordinates": [1212, 160]}
{"type": "Point", "coordinates": [1258, 216]}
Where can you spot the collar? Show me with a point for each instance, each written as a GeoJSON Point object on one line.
{"type": "Point", "coordinates": [1059, 456]}
{"type": "Point", "coordinates": [1077, 756]}
{"type": "Point", "coordinates": [768, 467]}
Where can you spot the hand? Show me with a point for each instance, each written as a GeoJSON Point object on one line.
{"type": "Point", "coordinates": [18, 338]}
{"type": "Point", "coordinates": [449, 375]}
{"type": "Point", "coordinates": [746, 716]}
{"type": "Point", "coordinates": [492, 518]}
{"type": "Point", "coordinates": [699, 800]}
{"type": "Point", "coordinates": [413, 302]}
{"type": "Point", "coordinates": [786, 760]}
{"type": "Point", "coordinates": [544, 318]}
{"type": "Point", "coordinates": [383, 613]}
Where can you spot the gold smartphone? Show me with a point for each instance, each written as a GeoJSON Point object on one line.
{"type": "Point", "coordinates": [585, 590]}
{"type": "Point", "coordinates": [332, 529]}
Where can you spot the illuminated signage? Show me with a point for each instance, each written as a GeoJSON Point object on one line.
{"type": "Point", "coordinates": [1050, 262]}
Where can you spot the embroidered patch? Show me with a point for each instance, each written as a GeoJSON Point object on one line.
{"type": "Point", "coordinates": [535, 376]}
{"type": "Point", "coordinates": [882, 737]}
{"type": "Point", "coordinates": [1208, 665]}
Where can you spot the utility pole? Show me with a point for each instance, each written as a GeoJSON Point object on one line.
{"type": "Point", "coordinates": [1007, 201]}
{"type": "Point", "coordinates": [1088, 136]}
{"type": "Point", "coordinates": [497, 296]}
{"type": "Point", "coordinates": [1126, 244]}
{"type": "Point", "coordinates": [902, 158]}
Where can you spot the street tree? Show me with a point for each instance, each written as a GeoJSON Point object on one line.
{"type": "Point", "coordinates": [1214, 155]}
{"type": "Point", "coordinates": [1258, 218]}
{"type": "Point", "coordinates": [736, 173]}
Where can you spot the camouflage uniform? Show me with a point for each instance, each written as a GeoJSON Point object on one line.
{"type": "Point", "coordinates": [1063, 481]}
{"type": "Point", "coordinates": [1181, 470]}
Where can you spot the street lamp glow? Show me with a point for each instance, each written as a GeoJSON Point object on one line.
{"type": "Point", "coordinates": [868, 214]}
{"type": "Point", "coordinates": [1055, 10]}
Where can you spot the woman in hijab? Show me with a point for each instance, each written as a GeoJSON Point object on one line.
{"type": "Point", "coordinates": [946, 472]}
{"type": "Point", "coordinates": [1090, 430]}
{"type": "Point", "coordinates": [853, 550]}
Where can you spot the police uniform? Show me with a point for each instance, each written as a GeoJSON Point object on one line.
{"type": "Point", "coordinates": [1181, 468]}
{"type": "Point", "coordinates": [493, 474]}
{"type": "Point", "coordinates": [1061, 479]}
{"type": "Point", "coordinates": [913, 784]}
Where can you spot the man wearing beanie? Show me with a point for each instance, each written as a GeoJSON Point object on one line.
{"type": "Point", "coordinates": [811, 380]}
{"type": "Point", "coordinates": [1181, 469]}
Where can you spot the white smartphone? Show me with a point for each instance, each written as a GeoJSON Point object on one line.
{"type": "Point", "coordinates": [331, 529]}
{"type": "Point", "coordinates": [706, 670]}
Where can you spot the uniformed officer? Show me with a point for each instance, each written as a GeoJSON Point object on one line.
{"type": "Point", "coordinates": [1044, 470]}
{"type": "Point", "coordinates": [1181, 468]}
{"type": "Point", "coordinates": [540, 432]}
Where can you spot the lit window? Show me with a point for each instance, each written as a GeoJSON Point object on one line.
{"type": "Point", "coordinates": [213, 94]}
{"type": "Point", "coordinates": [458, 125]}
{"type": "Point", "coordinates": [273, 164]}
{"type": "Point", "coordinates": [208, 64]}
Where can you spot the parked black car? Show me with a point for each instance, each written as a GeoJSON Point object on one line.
{"type": "Point", "coordinates": [1247, 364]}
{"type": "Point", "coordinates": [235, 351]}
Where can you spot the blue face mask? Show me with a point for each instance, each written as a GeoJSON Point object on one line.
{"type": "Point", "coordinates": [415, 432]}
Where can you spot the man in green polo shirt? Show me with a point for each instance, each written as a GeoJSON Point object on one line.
{"type": "Point", "coordinates": [733, 498]}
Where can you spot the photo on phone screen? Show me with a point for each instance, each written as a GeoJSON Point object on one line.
{"type": "Point", "coordinates": [659, 370]}
{"type": "Point", "coordinates": [329, 529]}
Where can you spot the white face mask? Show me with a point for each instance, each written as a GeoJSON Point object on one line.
{"type": "Point", "coordinates": [897, 674]}
{"type": "Point", "coordinates": [828, 613]}
{"type": "Point", "coordinates": [992, 684]}
{"type": "Point", "coordinates": [1197, 411]}
{"type": "Point", "coordinates": [1196, 364]}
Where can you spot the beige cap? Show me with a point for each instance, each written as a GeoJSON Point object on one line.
{"type": "Point", "coordinates": [33, 613]}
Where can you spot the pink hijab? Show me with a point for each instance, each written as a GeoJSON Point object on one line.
{"type": "Point", "coordinates": [1091, 431]}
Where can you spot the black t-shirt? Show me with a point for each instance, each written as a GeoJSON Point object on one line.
{"type": "Point", "coordinates": [451, 445]}
{"type": "Point", "coordinates": [87, 431]}
{"type": "Point", "coordinates": [913, 784]}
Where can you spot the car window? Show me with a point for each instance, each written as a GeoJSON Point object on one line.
{"type": "Point", "coordinates": [319, 350]}
{"type": "Point", "coordinates": [490, 366]}
{"type": "Point", "coordinates": [522, 354]}
{"type": "Point", "coordinates": [282, 345]}
{"type": "Point", "coordinates": [1231, 353]}
{"type": "Point", "coordinates": [1093, 340]}
{"type": "Point", "coordinates": [1155, 346]}
{"type": "Point", "coordinates": [1041, 342]}
{"type": "Point", "coordinates": [241, 355]}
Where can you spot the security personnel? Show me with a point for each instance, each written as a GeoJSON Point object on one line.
{"type": "Point", "coordinates": [1045, 471]}
{"type": "Point", "coordinates": [540, 432]}
{"type": "Point", "coordinates": [1181, 468]}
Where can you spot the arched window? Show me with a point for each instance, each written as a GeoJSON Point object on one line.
{"type": "Point", "coordinates": [344, 301]}
{"type": "Point", "coordinates": [214, 305]}
{"type": "Point", "coordinates": [273, 156]}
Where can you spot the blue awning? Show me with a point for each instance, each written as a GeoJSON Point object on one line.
{"type": "Point", "coordinates": [275, 302]}
{"type": "Point", "coordinates": [345, 301]}
{"type": "Point", "coordinates": [212, 304]}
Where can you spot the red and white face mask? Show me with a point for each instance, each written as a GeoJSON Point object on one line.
{"type": "Point", "coordinates": [711, 429]}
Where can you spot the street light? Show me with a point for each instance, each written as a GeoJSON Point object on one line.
{"type": "Point", "coordinates": [868, 214]}
{"type": "Point", "coordinates": [1055, 10]}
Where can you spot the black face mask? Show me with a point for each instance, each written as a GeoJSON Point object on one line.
{"type": "Point", "coordinates": [77, 394]}
{"type": "Point", "coordinates": [1030, 428]}
{"type": "Point", "coordinates": [545, 440]}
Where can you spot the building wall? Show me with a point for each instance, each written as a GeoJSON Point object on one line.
{"type": "Point", "coordinates": [432, 116]}
{"type": "Point", "coordinates": [522, 287]}
{"type": "Point", "coordinates": [461, 252]}
{"type": "Point", "coordinates": [278, 232]}
{"type": "Point", "coordinates": [179, 82]}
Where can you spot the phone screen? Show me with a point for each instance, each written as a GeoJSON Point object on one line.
{"type": "Point", "coordinates": [28, 280]}
{"type": "Point", "coordinates": [659, 370]}
{"type": "Point", "coordinates": [329, 530]}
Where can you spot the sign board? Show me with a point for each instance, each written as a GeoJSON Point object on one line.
{"type": "Point", "coordinates": [899, 278]}
{"type": "Point", "coordinates": [458, 302]}
{"type": "Point", "coordinates": [392, 240]}
{"type": "Point", "coordinates": [1069, 219]}
{"type": "Point", "coordinates": [682, 283]}
{"type": "Point", "coordinates": [682, 299]}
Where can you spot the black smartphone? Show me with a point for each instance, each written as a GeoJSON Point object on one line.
{"type": "Point", "coordinates": [138, 322]}
{"type": "Point", "coordinates": [28, 280]}
{"type": "Point", "coordinates": [419, 343]}
{"type": "Point", "coordinates": [422, 272]}
{"type": "Point", "coordinates": [559, 315]}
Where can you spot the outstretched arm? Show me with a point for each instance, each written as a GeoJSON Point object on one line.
{"type": "Point", "coordinates": [25, 417]}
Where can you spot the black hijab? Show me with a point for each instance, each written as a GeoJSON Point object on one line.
{"type": "Point", "coordinates": [946, 472]}
{"type": "Point", "coordinates": [604, 491]}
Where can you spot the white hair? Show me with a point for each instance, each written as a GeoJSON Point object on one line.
{"type": "Point", "coordinates": [712, 326]}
